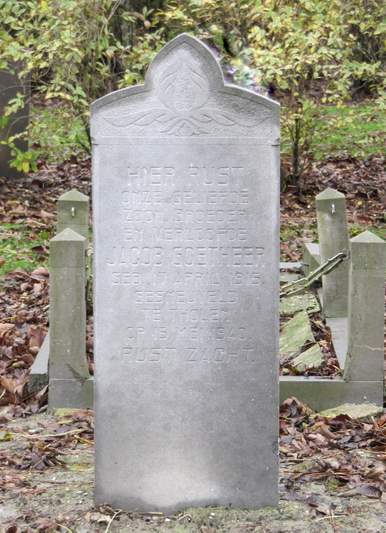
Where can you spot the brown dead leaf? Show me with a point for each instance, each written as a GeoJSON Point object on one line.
{"type": "Point", "coordinates": [37, 288]}
{"type": "Point", "coordinates": [39, 273]}
{"type": "Point", "coordinates": [14, 386]}
{"type": "Point", "coordinates": [5, 328]}
{"type": "Point", "coordinates": [36, 336]}
{"type": "Point", "coordinates": [45, 215]}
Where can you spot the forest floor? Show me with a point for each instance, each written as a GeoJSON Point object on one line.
{"type": "Point", "coordinates": [332, 479]}
{"type": "Point", "coordinates": [332, 471]}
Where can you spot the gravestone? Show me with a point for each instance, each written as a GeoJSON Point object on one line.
{"type": "Point", "coordinates": [10, 86]}
{"type": "Point", "coordinates": [186, 229]}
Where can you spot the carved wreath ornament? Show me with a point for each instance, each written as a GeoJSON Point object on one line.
{"type": "Point", "coordinates": [184, 92]}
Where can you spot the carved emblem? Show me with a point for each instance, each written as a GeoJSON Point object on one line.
{"type": "Point", "coordinates": [183, 93]}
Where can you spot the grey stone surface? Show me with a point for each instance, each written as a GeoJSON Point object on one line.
{"type": "Point", "coordinates": [10, 85]}
{"type": "Point", "coordinates": [290, 271]}
{"type": "Point", "coordinates": [333, 238]}
{"type": "Point", "coordinates": [71, 393]}
{"type": "Point", "coordinates": [186, 227]}
{"type": "Point", "coordinates": [339, 336]}
{"type": "Point", "coordinates": [73, 212]}
{"type": "Point", "coordinates": [67, 317]}
{"type": "Point", "coordinates": [311, 257]}
{"type": "Point", "coordinates": [365, 357]}
{"type": "Point", "coordinates": [324, 393]}
{"type": "Point", "coordinates": [319, 393]}
{"type": "Point", "coordinates": [38, 376]}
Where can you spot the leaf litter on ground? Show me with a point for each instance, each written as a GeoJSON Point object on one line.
{"type": "Point", "coordinates": [330, 467]}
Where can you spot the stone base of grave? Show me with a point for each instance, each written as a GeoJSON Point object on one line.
{"type": "Point", "coordinates": [317, 393]}
{"type": "Point", "coordinates": [321, 393]}
{"type": "Point", "coordinates": [71, 393]}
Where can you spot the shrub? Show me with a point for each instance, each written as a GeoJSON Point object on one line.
{"type": "Point", "coordinates": [306, 53]}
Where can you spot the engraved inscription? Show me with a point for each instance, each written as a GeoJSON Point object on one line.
{"type": "Point", "coordinates": [205, 228]}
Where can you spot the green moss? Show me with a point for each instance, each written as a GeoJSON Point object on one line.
{"type": "Point", "coordinates": [311, 358]}
{"type": "Point", "coordinates": [296, 332]}
{"type": "Point", "coordinates": [353, 410]}
{"type": "Point", "coordinates": [299, 302]}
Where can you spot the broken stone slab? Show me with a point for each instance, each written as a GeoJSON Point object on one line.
{"type": "Point", "coordinates": [311, 358]}
{"type": "Point", "coordinates": [295, 334]}
{"type": "Point", "coordinates": [353, 410]}
{"type": "Point", "coordinates": [311, 257]}
{"type": "Point", "coordinates": [290, 271]}
{"type": "Point", "coordinates": [339, 338]}
{"type": "Point", "coordinates": [38, 377]}
{"type": "Point", "coordinates": [299, 302]}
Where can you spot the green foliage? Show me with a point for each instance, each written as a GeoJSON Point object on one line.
{"type": "Point", "coordinates": [57, 133]}
{"type": "Point", "coordinates": [18, 249]}
{"type": "Point", "coordinates": [23, 161]}
{"type": "Point", "coordinates": [356, 229]}
{"type": "Point", "coordinates": [309, 52]}
{"type": "Point", "coordinates": [358, 130]}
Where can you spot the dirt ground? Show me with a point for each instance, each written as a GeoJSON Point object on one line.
{"type": "Point", "coordinates": [47, 478]}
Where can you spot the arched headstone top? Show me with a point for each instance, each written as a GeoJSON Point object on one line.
{"type": "Point", "coordinates": [185, 95]}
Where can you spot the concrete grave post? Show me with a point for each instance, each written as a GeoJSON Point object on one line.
{"type": "Point", "coordinates": [333, 238]}
{"type": "Point", "coordinates": [186, 228]}
{"type": "Point", "coordinates": [10, 86]}
{"type": "Point", "coordinates": [73, 212]}
{"type": "Point", "coordinates": [365, 358]}
{"type": "Point", "coordinates": [69, 384]}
